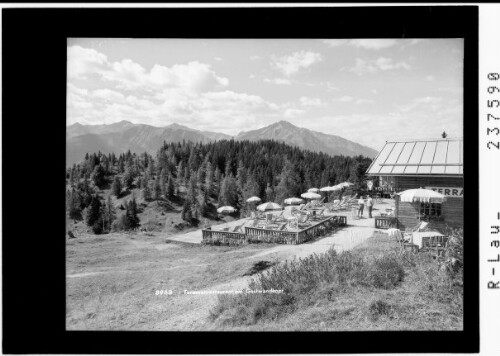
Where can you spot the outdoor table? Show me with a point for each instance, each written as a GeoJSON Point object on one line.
{"type": "Point", "coordinates": [419, 237]}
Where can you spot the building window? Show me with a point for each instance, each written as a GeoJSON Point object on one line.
{"type": "Point", "coordinates": [430, 209]}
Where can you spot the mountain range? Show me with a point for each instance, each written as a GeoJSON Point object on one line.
{"type": "Point", "coordinates": [124, 135]}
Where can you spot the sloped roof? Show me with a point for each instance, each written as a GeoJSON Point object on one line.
{"type": "Point", "coordinates": [419, 157]}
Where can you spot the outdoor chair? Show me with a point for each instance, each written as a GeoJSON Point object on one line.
{"type": "Point", "coordinates": [435, 244]}
{"type": "Point", "coordinates": [408, 233]}
{"type": "Point", "coordinates": [254, 223]}
{"type": "Point", "coordinates": [319, 215]}
{"type": "Point", "coordinates": [238, 227]}
{"type": "Point", "coordinates": [279, 216]}
{"type": "Point", "coordinates": [282, 226]}
{"type": "Point", "coordinates": [333, 206]}
{"type": "Point", "coordinates": [303, 222]}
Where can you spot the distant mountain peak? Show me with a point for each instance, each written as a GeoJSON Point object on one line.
{"type": "Point", "coordinates": [307, 139]}
{"type": "Point", "coordinates": [178, 126]}
{"type": "Point", "coordinates": [284, 123]}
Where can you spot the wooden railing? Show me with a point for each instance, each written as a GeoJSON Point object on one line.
{"type": "Point", "coordinates": [267, 235]}
{"type": "Point", "coordinates": [215, 237]}
{"type": "Point", "coordinates": [319, 229]}
{"type": "Point", "coordinates": [253, 234]}
{"type": "Point", "coordinates": [384, 222]}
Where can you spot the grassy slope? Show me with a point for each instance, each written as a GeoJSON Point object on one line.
{"type": "Point", "coordinates": [165, 216]}
{"type": "Point", "coordinates": [112, 278]}
{"type": "Point", "coordinates": [423, 301]}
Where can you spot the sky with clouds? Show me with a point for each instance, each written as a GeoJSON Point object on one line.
{"type": "Point", "coordinates": [365, 90]}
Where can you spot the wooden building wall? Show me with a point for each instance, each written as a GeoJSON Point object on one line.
{"type": "Point", "coordinates": [405, 182]}
{"type": "Point", "coordinates": [452, 212]}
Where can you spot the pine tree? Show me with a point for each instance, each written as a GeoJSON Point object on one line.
{"type": "Point", "coordinates": [116, 187]}
{"type": "Point", "coordinates": [94, 211]}
{"type": "Point", "coordinates": [146, 189]}
{"type": "Point", "coordinates": [170, 187]}
{"type": "Point", "coordinates": [74, 205]}
{"type": "Point", "coordinates": [289, 184]}
{"type": "Point", "coordinates": [209, 178]}
{"type": "Point", "coordinates": [109, 214]}
{"type": "Point", "coordinates": [128, 177]}
{"type": "Point", "coordinates": [132, 214]}
{"type": "Point", "coordinates": [98, 176]}
{"type": "Point", "coordinates": [203, 204]}
{"type": "Point", "coordinates": [157, 189]}
{"type": "Point", "coordinates": [163, 183]}
{"type": "Point", "coordinates": [217, 181]}
{"type": "Point", "coordinates": [186, 213]}
{"type": "Point", "coordinates": [180, 174]}
{"type": "Point", "coordinates": [241, 176]}
{"type": "Point", "coordinates": [270, 195]}
{"type": "Point", "coordinates": [229, 191]}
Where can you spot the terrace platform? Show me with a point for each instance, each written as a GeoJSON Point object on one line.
{"type": "Point", "coordinates": [356, 230]}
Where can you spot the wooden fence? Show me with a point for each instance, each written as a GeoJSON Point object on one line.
{"type": "Point", "coordinates": [214, 237]}
{"type": "Point", "coordinates": [385, 222]}
{"type": "Point", "coordinates": [252, 234]}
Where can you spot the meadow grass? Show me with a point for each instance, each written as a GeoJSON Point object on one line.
{"type": "Point", "coordinates": [373, 287]}
{"type": "Point", "coordinates": [112, 279]}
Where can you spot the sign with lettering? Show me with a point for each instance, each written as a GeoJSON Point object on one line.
{"type": "Point", "coordinates": [449, 191]}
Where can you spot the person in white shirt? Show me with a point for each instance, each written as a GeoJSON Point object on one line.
{"type": "Point", "coordinates": [361, 206]}
{"type": "Point", "coordinates": [369, 205]}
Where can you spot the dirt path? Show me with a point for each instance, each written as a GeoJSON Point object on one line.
{"type": "Point", "coordinates": [191, 311]}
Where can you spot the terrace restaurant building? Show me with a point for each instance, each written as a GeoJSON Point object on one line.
{"type": "Point", "coordinates": [430, 164]}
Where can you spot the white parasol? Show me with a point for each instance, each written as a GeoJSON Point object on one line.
{"type": "Point", "coordinates": [226, 209]}
{"type": "Point", "coordinates": [253, 199]}
{"type": "Point", "coordinates": [293, 201]}
{"type": "Point", "coordinates": [310, 195]}
{"type": "Point", "coordinates": [269, 206]}
{"type": "Point", "coordinates": [421, 195]}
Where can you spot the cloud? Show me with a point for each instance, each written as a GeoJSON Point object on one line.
{"type": "Point", "coordinates": [380, 64]}
{"type": "Point", "coordinates": [428, 103]}
{"type": "Point", "coordinates": [292, 113]}
{"type": "Point", "coordinates": [218, 59]}
{"type": "Point", "coordinates": [278, 81]}
{"type": "Point", "coordinates": [344, 99]}
{"type": "Point", "coordinates": [370, 43]}
{"type": "Point", "coordinates": [251, 76]}
{"type": "Point", "coordinates": [429, 78]}
{"type": "Point", "coordinates": [255, 57]}
{"type": "Point", "coordinates": [374, 44]}
{"type": "Point", "coordinates": [291, 64]}
{"type": "Point", "coordinates": [305, 101]}
{"type": "Point", "coordinates": [374, 91]}
{"type": "Point", "coordinates": [84, 63]}
{"type": "Point", "coordinates": [334, 42]}
{"type": "Point", "coordinates": [451, 90]}
{"type": "Point", "coordinates": [364, 101]}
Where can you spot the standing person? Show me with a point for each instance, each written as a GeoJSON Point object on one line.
{"type": "Point", "coordinates": [369, 205]}
{"type": "Point", "coordinates": [361, 206]}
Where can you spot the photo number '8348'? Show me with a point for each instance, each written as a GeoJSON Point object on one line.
{"type": "Point", "coordinates": [493, 104]}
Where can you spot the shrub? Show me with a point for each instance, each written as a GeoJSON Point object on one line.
{"type": "Point", "coordinates": [304, 281]}
{"type": "Point", "coordinates": [378, 308]}
{"type": "Point", "coordinates": [454, 253]}
{"type": "Point", "coordinates": [386, 272]}
{"type": "Point", "coordinates": [259, 267]}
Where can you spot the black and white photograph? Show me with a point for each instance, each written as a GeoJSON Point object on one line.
{"type": "Point", "coordinates": [249, 178]}
{"type": "Point", "coordinates": [264, 184]}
